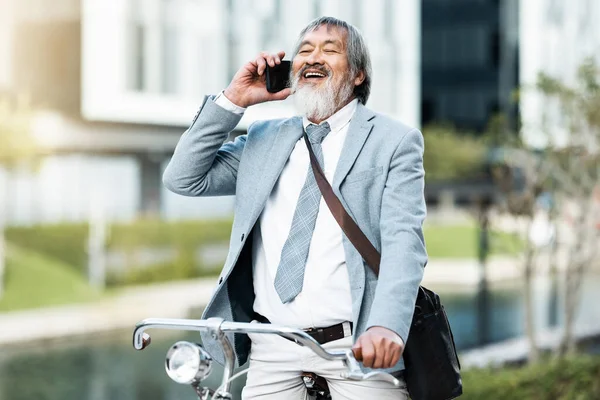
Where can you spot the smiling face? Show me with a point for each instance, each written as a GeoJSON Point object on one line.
{"type": "Point", "coordinates": [321, 77]}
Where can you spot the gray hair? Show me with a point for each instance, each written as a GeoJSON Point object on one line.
{"type": "Point", "coordinates": [356, 49]}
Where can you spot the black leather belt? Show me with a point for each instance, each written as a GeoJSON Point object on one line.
{"type": "Point", "coordinates": [321, 335]}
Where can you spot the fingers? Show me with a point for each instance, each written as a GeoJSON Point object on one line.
{"type": "Point", "coordinates": [357, 350]}
{"type": "Point", "coordinates": [377, 352]}
{"type": "Point", "coordinates": [388, 353]}
{"type": "Point", "coordinates": [248, 86]}
{"type": "Point", "coordinates": [395, 357]}
{"type": "Point", "coordinates": [273, 59]}
{"type": "Point", "coordinates": [368, 353]}
{"type": "Point", "coordinates": [261, 65]}
{"type": "Point", "coordinates": [265, 59]}
{"type": "Point", "coordinates": [392, 356]}
{"type": "Point", "coordinates": [381, 349]}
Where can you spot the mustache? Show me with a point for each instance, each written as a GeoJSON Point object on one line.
{"type": "Point", "coordinates": [316, 67]}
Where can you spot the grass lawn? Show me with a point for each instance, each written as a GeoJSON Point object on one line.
{"type": "Point", "coordinates": [460, 241]}
{"type": "Point", "coordinates": [576, 378]}
{"type": "Point", "coordinates": [33, 280]}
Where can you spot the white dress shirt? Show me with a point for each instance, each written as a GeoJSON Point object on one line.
{"type": "Point", "coordinates": [325, 298]}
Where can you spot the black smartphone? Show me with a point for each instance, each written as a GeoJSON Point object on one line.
{"type": "Point", "coordinates": [278, 77]}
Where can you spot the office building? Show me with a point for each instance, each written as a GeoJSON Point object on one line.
{"type": "Point", "coordinates": [470, 61]}
{"type": "Point", "coordinates": [115, 83]}
{"type": "Point", "coordinates": [556, 37]}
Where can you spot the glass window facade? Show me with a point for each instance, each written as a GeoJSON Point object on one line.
{"type": "Point", "coordinates": [469, 61]}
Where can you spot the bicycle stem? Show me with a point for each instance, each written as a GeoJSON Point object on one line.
{"type": "Point", "coordinates": [214, 328]}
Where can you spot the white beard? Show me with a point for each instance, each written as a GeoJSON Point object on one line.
{"type": "Point", "coordinates": [321, 103]}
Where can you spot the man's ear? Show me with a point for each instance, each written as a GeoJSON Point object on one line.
{"type": "Point", "coordinates": [360, 78]}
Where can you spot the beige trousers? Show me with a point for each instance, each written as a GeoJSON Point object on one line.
{"type": "Point", "coordinates": [276, 364]}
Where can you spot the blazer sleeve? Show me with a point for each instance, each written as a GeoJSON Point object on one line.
{"type": "Point", "coordinates": [403, 254]}
{"type": "Point", "coordinates": [201, 164]}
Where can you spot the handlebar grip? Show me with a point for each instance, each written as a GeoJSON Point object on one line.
{"type": "Point", "coordinates": [146, 340]}
{"type": "Point", "coordinates": [357, 352]}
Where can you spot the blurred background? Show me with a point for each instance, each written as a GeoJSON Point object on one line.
{"type": "Point", "coordinates": [95, 94]}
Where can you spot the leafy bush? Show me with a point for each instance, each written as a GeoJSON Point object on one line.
{"type": "Point", "coordinates": [160, 233]}
{"type": "Point", "coordinates": [183, 267]}
{"type": "Point", "coordinates": [574, 378]}
{"type": "Point", "coordinates": [451, 154]}
{"type": "Point", "coordinates": [68, 244]}
{"type": "Point", "coordinates": [65, 242]}
{"type": "Point", "coordinates": [183, 240]}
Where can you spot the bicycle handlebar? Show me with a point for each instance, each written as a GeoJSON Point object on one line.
{"type": "Point", "coordinates": [297, 335]}
{"type": "Point", "coordinates": [217, 327]}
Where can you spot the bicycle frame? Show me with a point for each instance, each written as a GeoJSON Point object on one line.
{"type": "Point", "coordinates": [218, 327]}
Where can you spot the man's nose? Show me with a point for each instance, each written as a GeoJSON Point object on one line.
{"type": "Point", "coordinates": [314, 58]}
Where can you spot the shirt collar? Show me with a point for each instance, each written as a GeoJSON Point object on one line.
{"type": "Point", "coordinates": [338, 120]}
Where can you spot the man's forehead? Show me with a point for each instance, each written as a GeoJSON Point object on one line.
{"type": "Point", "coordinates": [323, 33]}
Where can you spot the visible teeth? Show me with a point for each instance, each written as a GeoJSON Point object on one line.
{"type": "Point", "coordinates": [315, 74]}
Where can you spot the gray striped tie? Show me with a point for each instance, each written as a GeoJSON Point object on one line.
{"type": "Point", "coordinates": [290, 273]}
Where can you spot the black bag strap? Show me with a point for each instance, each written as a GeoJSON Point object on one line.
{"type": "Point", "coordinates": [356, 236]}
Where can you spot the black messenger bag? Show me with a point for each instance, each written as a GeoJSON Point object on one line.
{"type": "Point", "coordinates": [432, 367]}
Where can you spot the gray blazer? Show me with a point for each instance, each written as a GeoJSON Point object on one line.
{"type": "Point", "coordinates": [379, 179]}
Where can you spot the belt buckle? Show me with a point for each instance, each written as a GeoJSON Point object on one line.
{"type": "Point", "coordinates": [347, 329]}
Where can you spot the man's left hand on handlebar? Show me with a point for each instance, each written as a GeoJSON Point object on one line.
{"type": "Point", "coordinates": [378, 347]}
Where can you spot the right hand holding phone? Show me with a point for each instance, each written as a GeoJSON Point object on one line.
{"type": "Point", "coordinates": [248, 86]}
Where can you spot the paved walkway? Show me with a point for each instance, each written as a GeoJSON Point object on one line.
{"type": "Point", "coordinates": [467, 272]}
{"type": "Point", "coordinates": [176, 299]}
{"type": "Point", "coordinates": [122, 311]}
{"type": "Point", "coordinates": [514, 350]}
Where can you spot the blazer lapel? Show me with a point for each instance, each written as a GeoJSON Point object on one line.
{"type": "Point", "coordinates": [281, 148]}
{"type": "Point", "coordinates": [358, 132]}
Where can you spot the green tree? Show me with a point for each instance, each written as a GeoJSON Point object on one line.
{"type": "Point", "coordinates": [567, 167]}
{"type": "Point", "coordinates": [451, 154]}
{"type": "Point", "coordinates": [575, 166]}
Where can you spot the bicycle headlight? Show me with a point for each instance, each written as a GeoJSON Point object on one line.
{"type": "Point", "coordinates": [187, 362]}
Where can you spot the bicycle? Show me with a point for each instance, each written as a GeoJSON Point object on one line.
{"type": "Point", "coordinates": [188, 363]}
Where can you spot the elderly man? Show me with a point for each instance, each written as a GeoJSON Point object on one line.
{"type": "Point", "coordinates": [289, 262]}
